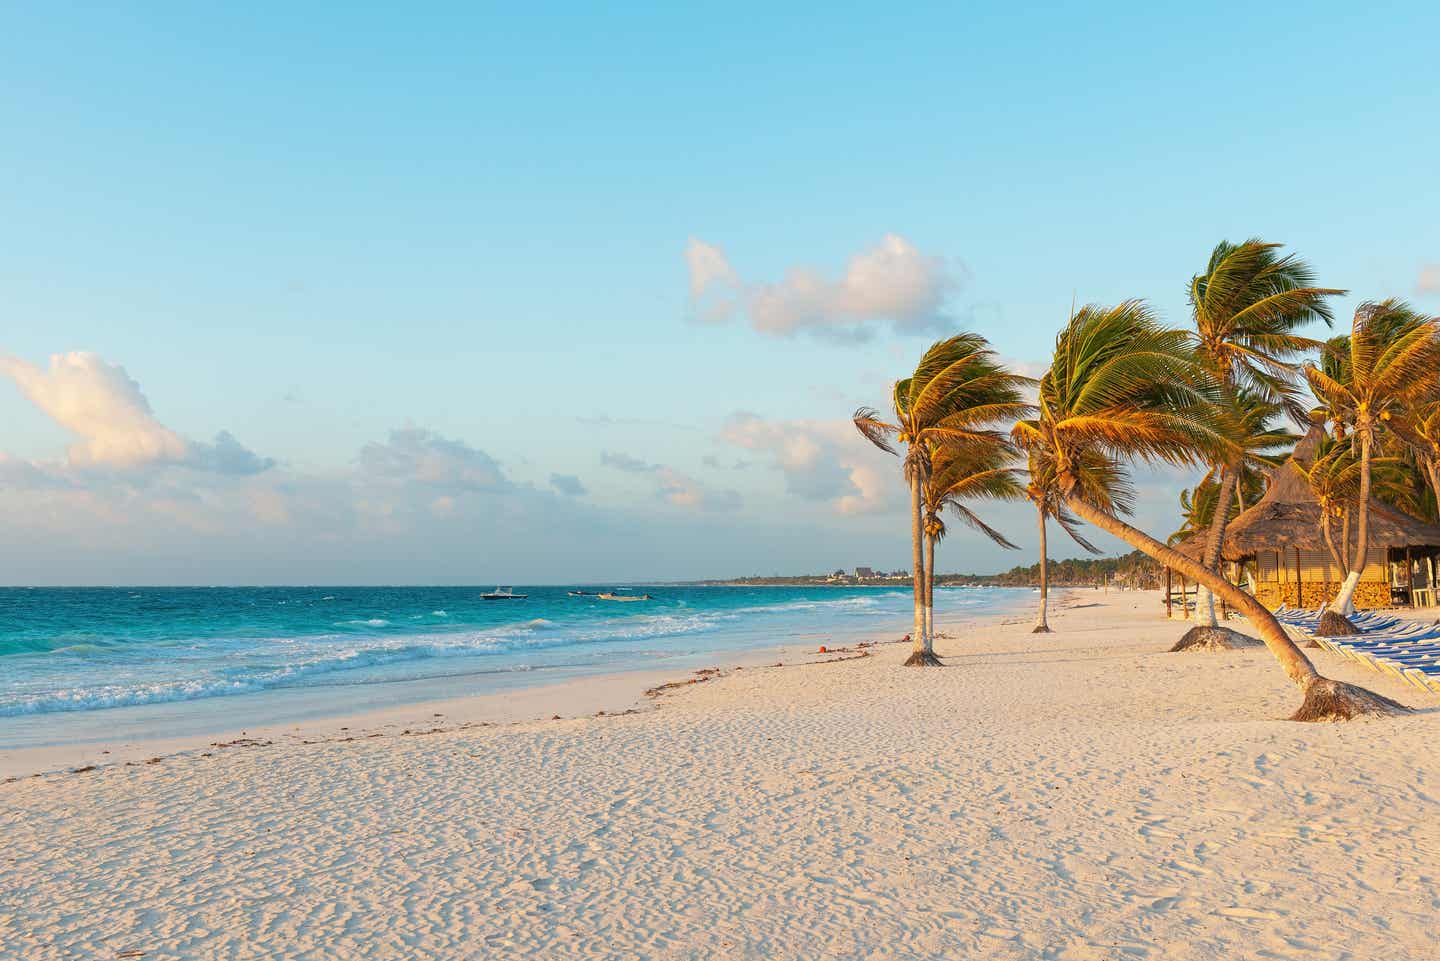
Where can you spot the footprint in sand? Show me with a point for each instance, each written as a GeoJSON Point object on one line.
{"type": "Point", "coordinates": [1249, 914]}
{"type": "Point", "coordinates": [1005, 934]}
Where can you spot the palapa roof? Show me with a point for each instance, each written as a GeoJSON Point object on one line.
{"type": "Point", "coordinates": [1288, 516]}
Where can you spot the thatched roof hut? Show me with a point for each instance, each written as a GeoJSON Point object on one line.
{"type": "Point", "coordinates": [1281, 535]}
{"type": "Point", "coordinates": [1287, 517]}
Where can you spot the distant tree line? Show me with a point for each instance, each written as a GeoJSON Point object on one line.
{"type": "Point", "coordinates": [1133, 570]}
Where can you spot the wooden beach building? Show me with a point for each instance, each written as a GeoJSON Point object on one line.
{"type": "Point", "coordinates": [1276, 549]}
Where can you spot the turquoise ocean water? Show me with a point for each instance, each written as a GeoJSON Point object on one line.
{"type": "Point", "coordinates": [79, 663]}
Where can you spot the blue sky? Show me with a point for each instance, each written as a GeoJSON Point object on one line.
{"type": "Point", "coordinates": [428, 266]}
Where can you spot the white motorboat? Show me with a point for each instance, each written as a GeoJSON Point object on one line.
{"type": "Point", "coordinates": [503, 594]}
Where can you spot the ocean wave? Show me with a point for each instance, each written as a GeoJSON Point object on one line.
{"type": "Point", "coordinates": [58, 644]}
{"type": "Point", "coordinates": [193, 656]}
{"type": "Point", "coordinates": [310, 658]}
{"type": "Point", "coordinates": [834, 603]}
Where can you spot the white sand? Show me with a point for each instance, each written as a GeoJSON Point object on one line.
{"type": "Point", "coordinates": [1077, 796]}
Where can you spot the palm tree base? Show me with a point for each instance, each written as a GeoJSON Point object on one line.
{"type": "Point", "coordinates": [1206, 638]}
{"type": "Point", "coordinates": [1042, 629]}
{"type": "Point", "coordinates": [923, 659]}
{"type": "Point", "coordinates": [1327, 700]}
{"type": "Point", "coordinates": [1335, 625]}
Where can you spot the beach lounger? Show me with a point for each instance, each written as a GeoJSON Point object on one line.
{"type": "Point", "coordinates": [1407, 650]}
{"type": "Point", "coordinates": [1383, 640]}
{"type": "Point", "coordinates": [1422, 680]}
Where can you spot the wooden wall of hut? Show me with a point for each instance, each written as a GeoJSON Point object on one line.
{"type": "Point", "coordinates": [1307, 579]}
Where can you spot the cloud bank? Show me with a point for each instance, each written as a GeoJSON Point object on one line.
{"type": "Point", "coordinates": [133, 501]}
{"type": "Point", "coordinates": [891, 283]}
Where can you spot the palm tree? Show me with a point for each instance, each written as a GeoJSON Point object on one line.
{"type": "Point", "coordinates": [1255, 446]}
{"type": "Point", "coordinates": [1197, 507]}
{"type": "Point", "coordinates": [961, 473]}
{"type": "Point", "coordinates": [1376, 374]}
{"type": "Point", "coordinates": [1420, 430]}
{"type": "Point", "coordinates": [1122, 388]}
{"type": "Point", "coordinates": [1334, 478]}
{"type": "Point", "coordinates": [957, 395]}
{"type": "Point", "coordinates": [1043, 493]}
{"type": "Point", "coordinates": [1246, 308]}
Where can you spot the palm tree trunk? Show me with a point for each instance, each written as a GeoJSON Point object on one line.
{"type": "Point", "coordinates": [1204, 599]}
{"type": "Point", "coordinates": [1325, 530]}
{"type": "Point", "coordinates": [1345, 542]}
{"type": "Point", "coordinates": [1042, 625]}
{"type": "Point", "coordinates": [1208, 634]}
{"type": "Point", "coordinates": [1325, 699]}
{"type": "Point", "coordinates": [921, 654]}
{"type": "Point", "coordinates": [1362, 524]}
{"type": "Point", "coordinates": [930, 590]}
{"type": "Point", "coordinates": [1344, 603]}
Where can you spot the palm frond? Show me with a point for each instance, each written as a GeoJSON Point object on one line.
{"type": "Point", "coordinates": [872, 428]}
{"type": "Point", "coordinates": [971, 520]}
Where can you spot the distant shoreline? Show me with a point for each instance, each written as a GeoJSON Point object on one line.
{"type": "Point", "coordinates": [944, 580]}
{"type": "Point", "coordinates": [1133, 570]}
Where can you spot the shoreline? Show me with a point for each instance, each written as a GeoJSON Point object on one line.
{"type": "Point", "coordinates": [610, 692]}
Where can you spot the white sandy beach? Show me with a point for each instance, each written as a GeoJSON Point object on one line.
{"type": "Point", "coordinates": [1075, 796]}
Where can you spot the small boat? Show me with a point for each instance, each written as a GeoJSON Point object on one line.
{"type": "Point", "coordinates": [624, 597]}
{"type": "Point", "coordinates": [503, 594]}
{"type": "Point", "coordinates": [580, 593]}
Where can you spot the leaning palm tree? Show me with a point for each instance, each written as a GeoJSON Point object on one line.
{"type": "Point", "coordinates": [959, 475]}
{"type": "Point", "coordinates": [957, 395]}
{"type": "Point", "coordinates": [1122, 388]}
{"type": "Point", "coordinates": [1376, 374]}
{"type": "Point", "coordinates": [1043, 493]}
{"type": "Point", "coordinates": [1247, 308]}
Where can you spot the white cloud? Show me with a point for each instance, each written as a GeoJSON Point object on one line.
{"type": "Point", "coordinates": [711, 461]}
{"type": "Point", "coordinates": [227, 456]}
{"type": "Point", "coordinates": [413, 455]}
{"type": "Point", "coordinates": [106, 409]}
{"type": "Point", "coordinates": [675, 487]}
{"type": "Point", "coordinates": [100, 403]}
{"type": "Point", "coordinates": [821, 460]}
{"type": "Point", "coordinates": [1429, 282]}
{"type": "Point", "coordinates": [715, 288]}
{"type": "Point", "coordinates": [568, 484]}
{"type": "Point", "coordinates": [622, 461]}
{"type": "Point", "coordinates": [682, 490]}
{"type": "Point", "coordinates": [892, 282]}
